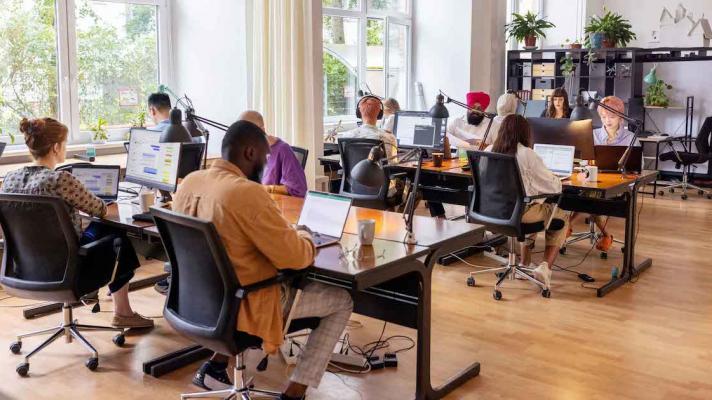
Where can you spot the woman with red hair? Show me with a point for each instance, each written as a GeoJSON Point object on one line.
{"type": "Point", "coordinates": [614, 131]}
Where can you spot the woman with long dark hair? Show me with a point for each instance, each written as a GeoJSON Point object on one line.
{"type": "Point", "coordinates": [515, 139]}
{"type": "Point", "coordinates": [558, 105]}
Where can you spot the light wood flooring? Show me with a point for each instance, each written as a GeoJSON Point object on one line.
{"type": "Point", "coordinates": [651, 339]}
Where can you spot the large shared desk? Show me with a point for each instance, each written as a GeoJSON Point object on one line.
{"type": "Point", "coordinates": [389, 281]}
{"type": "Point", "coordinates": [613, 194]}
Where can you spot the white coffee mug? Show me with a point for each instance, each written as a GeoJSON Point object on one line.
{"type": "Point", "coordinates": [591, 173]}
{"type": "Point", "coordinates": [146, 199]}
{"type": "Point", "coordinates": [366, 231]}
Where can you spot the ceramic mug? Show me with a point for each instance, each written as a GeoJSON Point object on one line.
{"type": "Point", "coordinates": [366, 231]}
{"type": "Point", "coordinates": [591, 173]}
{"type": "Point", "coordinates": [146, 199]}
{"type": "Point", "coordinates": [438, 159]}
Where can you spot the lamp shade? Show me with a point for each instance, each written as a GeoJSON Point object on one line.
{"type": "Point", "coordinates": [191, 126]}
{"type": "Point", "coordinates": [439, 110]}
{"type": "Point", "coordinates": [369, 172]}
{"type": "Point", "coordinates": [176, 132]}
{"type": "Point", "coordinates": [580, 111]}
{"type": "Point", "coordinates": [652, 77]}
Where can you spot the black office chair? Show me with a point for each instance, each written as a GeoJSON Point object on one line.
{"type": "Point", "coordinates": [301, 154]}
{"type": "Point", "coordinates": [688, 160]}
{"type": "Point", "coordinates": [352, 151]}
{"type": "Point", "coordinates": [498, 202]}
{"type": "Point", "coordinates": [43, 261]}
{"type": "Point", "coordinates": [204, 296]}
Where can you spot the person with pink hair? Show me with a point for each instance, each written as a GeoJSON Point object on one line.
{"type": "Point", "coordinates": [469, 129]}
{"type": "Point", "coordinates": [614, 131]}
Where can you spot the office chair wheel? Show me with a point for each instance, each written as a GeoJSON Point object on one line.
{"type": "Point", "coordinates": [562, 251]}
{"type": "Point", "coordinates": [671, 190]}
{"type": "Point", "coordinates": [700, 192]}
{"type": "Point", "coordinates": [546, 293]}
{"type": "Point", "coordinates": [684, 197]}
{"type": "Point", "coordinates": [709, 196]}
{"type": "Point", "coordinates": [23, 369]}
{"type": "Point", "coordinates": [92, 363]}
{"type": "Point", "coordinates": [471, 281]}
{"type": "Point", "coordinates": [661, 193]}
{"type": "Point", "coordinates": [497, 295]}
{"type": "Point", "coordinates": [15, 347]}
{"type": "Point", "coordinates": [604, 255]}
{"type": "Point", "coordinates": [119, 339]}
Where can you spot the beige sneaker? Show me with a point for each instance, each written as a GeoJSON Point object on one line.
{"type": "Point", "coordinates": [542, 273]}
{"type": "Point", "coordinates": [133, 321]}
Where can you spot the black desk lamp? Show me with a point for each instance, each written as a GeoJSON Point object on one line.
{"type": "Point", "coordinates": [440, 111]}
{"type": "Point", "coordinates": [580, 111]}
{"type": "Point", "coordinates": [176, 132]}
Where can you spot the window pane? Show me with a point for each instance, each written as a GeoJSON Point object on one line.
{"type": "Point", "coordinates": [375, 55]}
{"type": "Point", "coordinates": [117, 56]}
{"type": "Point", "coordinates": [342, 4]}
{"type": "Point", "coordinates": [400, 6]}
{"type": "Point", "coordinates": [340, 61]}
{"type": "Point", "coordinates": [398, 62]}
{"type": "Point", "coordinates": [28, 63]}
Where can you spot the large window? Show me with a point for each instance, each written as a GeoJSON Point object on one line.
{"type": "Point", "coordinates": [366, 47]}
{"type": "Point", "coordinates": [84, 62]}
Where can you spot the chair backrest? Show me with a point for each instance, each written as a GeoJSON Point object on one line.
{"type": "Point", "coordinates": [301, 155]}
{"type": "Point", "coordinates": [352, 151]}
{"type": "Point", "coordinates": [40, 260]}
{"type": "Point", "coordinates": [498, 195]}
{"type": "Point", "coordinates": [703, 138]}
{"type": "Point", "coordinates": [201, 301]}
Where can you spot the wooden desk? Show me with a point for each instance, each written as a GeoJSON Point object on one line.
{"type": "Point", "coordinates": [390, 281]}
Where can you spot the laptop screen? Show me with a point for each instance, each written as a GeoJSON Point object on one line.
{"type": "Point", "coordinates": [101, 181]}
{"type": "Point", "coordinates": [325, 213]}
{"type": "Point", "coordinates": [559, 159]}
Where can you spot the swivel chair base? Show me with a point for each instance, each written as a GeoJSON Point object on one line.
{"type": "Point", "coordinates": [70, 329]}
{"type": "Point", "coordinates": [591, 235]}
{"type": "Point", "coordinates": [509, 270]}
{"type": "Point", "coordinates": [685, 185]}
{"type": "Point", "coordinates": [242, 387]}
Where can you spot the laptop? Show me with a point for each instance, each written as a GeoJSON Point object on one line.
{"type": "Point", "coordinates": [101, 180]}
{"type": "Point", "coordinates": [559, 159]}
{"type": "Point", "coordinates": [325, 215]}
{"type": "Point", "coordinates": [607, 158]}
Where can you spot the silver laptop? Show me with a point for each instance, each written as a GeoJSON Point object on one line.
{"type": "Point", "coordinates": [325, 215]}
{"type": "Point", "coordinates": [559, 159]}
{"type": "Point", "coordinates": [101, 180]}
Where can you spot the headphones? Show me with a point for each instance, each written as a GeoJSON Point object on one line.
{"type": "Point", "coordinates": [368, 96]}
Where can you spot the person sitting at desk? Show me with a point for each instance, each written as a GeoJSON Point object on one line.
{"type": "Point", "coordinates": [469, 129]}
{"type": "Point", "coordinates": [515, 139]}
{"type": "Point", "coordinates": [370, 107]}
{"type": "Point", "coordinates": [283, 174]}
{"type": "Point", "coordinates": [159, 108]}
{"type": "Point", "coordinates": [558, 105]}
{"type": "Point", "coordinates": [46, 139]}
{"type": "Point", "coordinates": [390, 108]}
{"type": "Point", "coordinates": [259, 242]}
{"type": "Point", "coordinates": [506, 106]}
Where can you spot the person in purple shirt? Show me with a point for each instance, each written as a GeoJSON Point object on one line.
{"type": "Point", "coordinates": [283, 173]}
{"type": "Point", "coordinates": [614, 131]}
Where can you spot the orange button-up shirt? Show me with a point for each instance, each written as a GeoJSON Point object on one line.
{"type": "Point", "coordinates": [258, 239]}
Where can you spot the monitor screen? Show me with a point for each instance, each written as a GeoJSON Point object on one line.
{"type": "Point", "coordinates": [152, 164]}
{"type": "Point", "coordinates": [417, 129]}
{"type": "Point", "coordinates": [559, 159]}
{"type": "Point", "coordinates": [325, 213]}
{"type": "Point", "coordinates": [102, 181]}
{"type": "Point", "coordinates": [566, 133]}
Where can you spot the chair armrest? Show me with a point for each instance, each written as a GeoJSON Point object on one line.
{"type": "Point", "coordinates": [397, 175]}
{"type": "Point", "coordinates": [96, 245]}
{"type": "Point", "coordinates": [282, 276]}
{"type": "Point", "coordinates": [529, 199]}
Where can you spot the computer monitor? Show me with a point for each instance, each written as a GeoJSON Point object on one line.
{"type": "Point", "coordinates": [607, 158]}
{"type": "Point", "coordinates": [152, 164]}
{"type": "Point", "coordinates": [2, 147]}
{"type": "Point", "coordinates": [101, 180]}
{"type": "Point", "coordinates": [191, 157]}
{"type": "Point", "coordinates": [417, 129]}
{"type": "Point", "coordinates": [566, 133]}
{"type": "Point", "coordinates": [535, 108]}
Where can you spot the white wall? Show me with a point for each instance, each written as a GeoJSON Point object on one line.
{"type": "Point", "coordinates": [568, 16]}
{"type": "Point", "coordinates": [487, 60]}
{"type": "Point", "coordinates": [209, 59]}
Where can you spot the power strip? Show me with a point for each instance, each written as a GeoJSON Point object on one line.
{"type": "Point", "coordinates": [349, 359]}
{"type": "Point", "coordinates": [352, 359]}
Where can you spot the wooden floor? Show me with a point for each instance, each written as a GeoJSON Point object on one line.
{"type": "Point", "coordinates": [648, 340]}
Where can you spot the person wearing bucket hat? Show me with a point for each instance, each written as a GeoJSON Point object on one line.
{"type": "Point", "coordinates": [468, 129]}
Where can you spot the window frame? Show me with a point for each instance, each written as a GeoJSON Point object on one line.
{"type": "Point", "coordinates": [362, 15]}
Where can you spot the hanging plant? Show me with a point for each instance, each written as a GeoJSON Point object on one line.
{"type": "Point", "coordinates": [567, 65]}
{"type": "Point", "coordinates": [656, 96]}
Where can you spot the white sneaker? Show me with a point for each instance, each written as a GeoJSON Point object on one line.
{"type": "Point", "coordinates": [542, 273]}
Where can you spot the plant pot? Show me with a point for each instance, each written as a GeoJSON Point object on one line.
{"type": "Point", "coordinates": [575, 46]}
{"type": "Point", "coordinates": [597, 40]}
{"type": "Point", "coordinates": [530, 41]}
{"type": "Point", "coordinates": [608, 43]}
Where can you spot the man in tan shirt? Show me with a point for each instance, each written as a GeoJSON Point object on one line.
{"type": "Point", "coordinates": [259, 242]}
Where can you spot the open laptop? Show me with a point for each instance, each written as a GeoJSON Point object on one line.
{"type": "Point", "coordinates": [607, 158]}
{"type": "Point", "coordinates": [325, 215]}
{"type": "Point", "coordinates": [101, 180]}
{"type": "Point", "coordinates": [559, 159]}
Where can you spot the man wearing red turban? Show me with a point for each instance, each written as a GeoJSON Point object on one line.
{"type": "Point", "coordinates": [468, 129]}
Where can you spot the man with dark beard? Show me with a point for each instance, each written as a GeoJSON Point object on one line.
{"type": "Point", "coordinates": [259, 242]}
{"type": "Point", "coordinates": [469, 129]}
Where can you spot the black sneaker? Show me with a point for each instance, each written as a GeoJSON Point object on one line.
{"type": "Point", "coordinates": [210, 378]}
{"type": "Point", "coordinates": [163, 285]}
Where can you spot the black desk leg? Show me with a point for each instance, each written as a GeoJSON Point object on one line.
{"type": "Point", "coordinates": [423, 385]}
{"type": "Point", "coordinates": [178, 359]}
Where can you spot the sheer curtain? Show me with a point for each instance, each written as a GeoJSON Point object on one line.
{"type": "Point", "coordinates": [286, 72]}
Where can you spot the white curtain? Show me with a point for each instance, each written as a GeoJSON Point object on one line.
{"type": "Point", "coordinates": [285, 53]}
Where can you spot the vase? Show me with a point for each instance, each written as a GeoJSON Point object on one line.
{"type": "Point", "coordinates": [608, 43]}
{"type": "Point", "coordinates": [530, 41]}
{"type": "Point", "coordinates": [597, 40]}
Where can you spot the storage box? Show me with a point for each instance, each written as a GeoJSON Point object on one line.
{"type": "Point", "coordinates": [544, 69]}
{"type": "Point", "coordinates": [544, 83]}
{"type": "Point", "coordinates": [541, 94]}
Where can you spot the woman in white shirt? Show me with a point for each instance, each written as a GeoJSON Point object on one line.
{"type": "Point", "coordinates": [506, 106]}
{"type": "Point", "coordinates": [515, 139]}
{"type": "Point", "coordinates": [390, 108]}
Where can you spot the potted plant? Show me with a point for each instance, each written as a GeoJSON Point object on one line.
{"type": "Point", "coordinates": [99, 132]}
{"type": "Point", "coordinates": [576, 44]}
{"type": "Point", "coordinates": [608, 31]}
{"type": "Point", "coordinates": [139, 120]}
{"type": "Point", "coordinates": [656, 96]}
{"type": "Point", "coordinates": [527, 28]}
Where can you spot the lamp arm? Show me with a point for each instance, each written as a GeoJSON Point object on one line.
{"type": "Point", "coordinates": [206, 121]}
{"type": "Point", "coordinates": [449, 99]}
{"type": "Point", "coordinates": [483, 144]}
{"type": "Point", "coordinates": [410, 202]}
{"type": "Point", "coordinates": [626, 154]}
